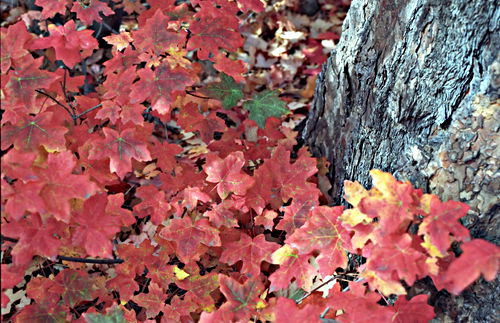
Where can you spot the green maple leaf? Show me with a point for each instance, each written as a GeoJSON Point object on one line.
{"type": "Point", "coordinates": [264, 105]}
{"type": "Point", "coordinates": [227, 91]}
{"type": "Point", "coordinates": [114, 317]}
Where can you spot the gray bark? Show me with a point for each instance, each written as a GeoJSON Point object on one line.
{"type": "Point", "coordinates": [413, 89]}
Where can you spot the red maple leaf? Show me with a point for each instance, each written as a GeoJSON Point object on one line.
{"type": "Point", "coordinates": [227, 174]}
{"type": "Point", "coordinates": [415, 310]}
{"type": "Point", "coordinates": [478, 257]}
{"type": "Point", "coordinates": [70, 45]}
{"type": "Point", "coordinates": [222, 214]}
{"type": "Point", "coordinates": [165, 153]}
{"type": "Point", "coordinates": [400, 257]}
{"type": "Point", "coordinates": [160, 86]}
{"type": "Point", "coordinates": [120, 148]}
{"type": "Point", "coordinates": [153, 202]}
{"type": "Point", "coordinates": [60, 185]}
{"type": "Point", "coordinates": [135, 258]}
{"type": "Point", "coordinates": [443, 222]}
{"type": "Point", "coordinates": [296, 214]}
{"type": "Point", "coordinates": [35, 237]}
{"type": "Point", "coordinates": [153, 301]}
{"type": "Point", "coordinates": [52, 7]}
{"type": "Point", "coordinates": [24, 80]}
{"type": "Point", "coordinates": [241, 298]}
{"type": "Point", "coordinates": [34, 131]}
{"type": "Point", "coordinates": [292, 266]}
{"type": "Point", "coordinates": [89, 13]}
{"type": "Point", "coordinates": [359, 305]}
{"type": "Point", "coordinates": [156, 37]}
{"type": "Point", "coordinates": [199, 286]}
{"type": "Point", "coordinates": [95, 227]}
{"type": "Point", "coordinates": [13, 42]}
{"type": "Point", "coordinates": [323, 232]}
{"type": "Point", "coordinates": [250, 251]}
{"type": "Point", "coordinates": [286, 310]}
{"type": "Point", "coordinates": [189, 237]}
{"type": "Point", "coordinates": [214, 30]}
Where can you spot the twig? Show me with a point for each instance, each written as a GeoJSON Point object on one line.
{"type": "Point", "coordinates": [56, 101]}
{"type": "Point", "coordinates": [91, 261]}
{"type": "Point", "coordinates": [75, 259]}
{"type": "Point", "coordinates": [87, 111]}
{"type": "Point", "coordinates": [197, 96]}
{"type": "Point", "coordinates": [315, 289]}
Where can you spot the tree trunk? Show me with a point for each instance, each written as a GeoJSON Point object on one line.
{"type": "Point", "coordinates": [413, 89]}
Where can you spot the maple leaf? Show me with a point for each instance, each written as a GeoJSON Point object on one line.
{"type": "Point", "coordinates": [200, 286]}
{"type": "Point", "coordinates": [119, 41]}
{"type": "Point", "coordinates": [241, 299]}
{"type": "Point", "coordinates": [443, 222]}
{"type": "Point", "coordinates": [89, 13]}
{"type": "Point", "coordinates": [135, 258]}
{"type": "Point", "coordinates": [153, 301]}
{"type": "Point", "coordinates": [189, 236]}
{"type": "Point", "coordinates": [266, 219]}
{"type": "Point", "coordinates": [113, 315]}
{"type": "Point", "coordinates": [34, 131]}
{"type": "Point", "coordinates": [13, 42]}
{"type": "Point", "coordinates": [77, 287]}
{"type": "Point", "coordinates": [233, 68]}
{"type": "Point", "coordinates": [160, 86]}
{"type": "Point", "coordinates": [478, 257]}
{"type": "Point", "coordinates": [153, 203]}
{"type": "Point", "coordinates": [292, 265]}
{"type": "Point", "coordinates": [251, 251]}
{"type": "Point", "coordinates": [40, 313]}
{"type": "Point", "coordinates": [222, 215]}
{"type": "Point", "coordinates": [60, 185]}
{"type": "Point", "coordinates": [120, 148]}
{"type": "Point", "coordinates": [415, 310]}
{"type": "Point", "coordinates": [24, 80]}
{"type": "Point", "coordinates": [227, 91]}
{"type": "Point", "coordinates": [359, 305]}
{"type": "Point", "coordinates": [227, 174]}
{"type": "Point", "coordinates": [211, 32]}
{"type": "Point", "coordinates": [264, 105]}
{"type": "Point", "coordinates": [296, 214]}
{"type": "Point", "coordinates": [124, 285]}
{"type": "Point", "coordinates": [52, 7]}
{"type": "Point", "coordinates": [22, 197]}
{"type": "Point", "coordinates": [323, 232]}
{"type": "Point", "coordinates": [70, 45]}
{"type": "Point", "coordinates": [251, 5]}
{"type": "Point", "coordinates": [398, 256]}
{"type": "Point", "coordinates": [96, 228]}
{"type": "Point", "coordinates": [155, 36]}
{"type": "Point", "coordinates": [165, 153]}
{"type": "Point", "coordinates": [190, 119]}
{"type": "Point", "coordinates": [286, 310]}
{"type": "Point", "coordinates": [35, 237]}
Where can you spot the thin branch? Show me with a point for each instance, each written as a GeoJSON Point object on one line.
{"type": "Point", "coordinates": [4, 238]}
{"type": "Point", "coordinates": [87, 111]}
{"type": "Point", "coordinates": [55, 100]}
{"type": "Point", "coordinates": [315, 289]}
{"type": "Point", "coordinates": [75, 259]}
{"type": "Point", "coordinates": [91, 261]}
{"type": "Point", "coordinates": [197, 96]}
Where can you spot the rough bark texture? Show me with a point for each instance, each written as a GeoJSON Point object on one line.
{"type": "Point", "coordinates": [413, 88]}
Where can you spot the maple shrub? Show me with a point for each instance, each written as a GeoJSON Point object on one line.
{"type": "Point", "coordinates": [160, 191]}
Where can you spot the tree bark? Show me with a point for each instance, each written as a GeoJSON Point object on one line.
{"type": "Point", "coordinates": [413, 89]}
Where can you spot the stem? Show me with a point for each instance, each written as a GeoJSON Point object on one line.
{"type": "Point", "coordinates": [87, 111]}
{"type": "Point", "coordinates": [75, 259]}
{"type": "Point", "coordinates": [91, 261]}
{"type": "Point", "coordinates": [55, 100]}
{"type": "Point", "coordinates": [197, 96]}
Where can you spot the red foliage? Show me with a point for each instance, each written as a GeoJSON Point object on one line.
{"type": "Point", "coordinates": [160, 155]}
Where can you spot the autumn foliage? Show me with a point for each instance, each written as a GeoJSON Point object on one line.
{"type": "Point", "coordinates": [169, 188]}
